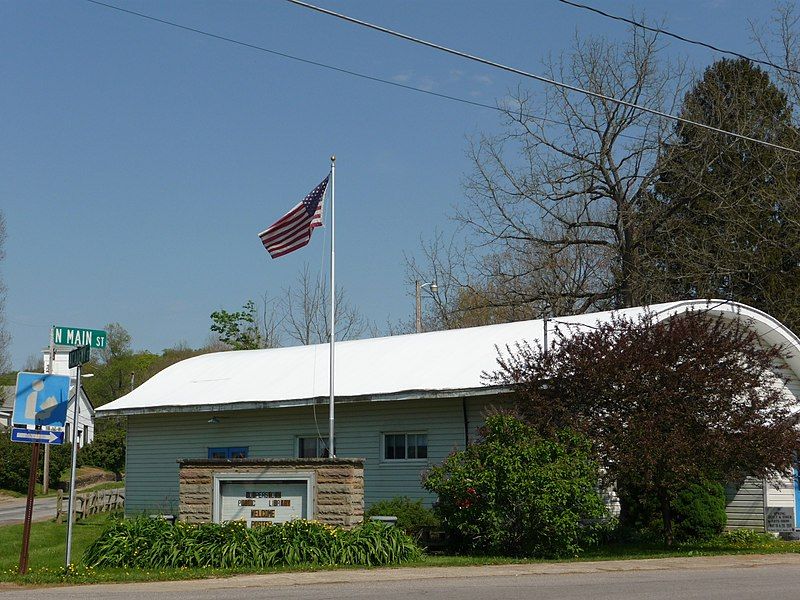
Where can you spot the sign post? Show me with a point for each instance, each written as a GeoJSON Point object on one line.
{"type": "Point", "coordinates": [76, 359]}
{"type": "Point", "coordinates": [40, 412]}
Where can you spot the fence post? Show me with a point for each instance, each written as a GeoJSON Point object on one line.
{"type": "Point", "coordinates": [60, 507]}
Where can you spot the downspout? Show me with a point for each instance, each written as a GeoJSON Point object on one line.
{"type": "Point", "coordinates": [466, 421]}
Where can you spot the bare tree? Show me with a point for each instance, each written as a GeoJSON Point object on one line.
{"type": "Point", "coordinates": [5, 337]}
{"type": "Point", "coordinates": [306, 310]}
{"type": "Point", "coordinates": [779, 43]}
{"type": "Point", "coordinates": [554, 209]}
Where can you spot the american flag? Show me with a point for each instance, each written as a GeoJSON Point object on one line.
{"type": "Point", "coordinates": [293, 230]}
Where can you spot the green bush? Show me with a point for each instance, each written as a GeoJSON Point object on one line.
{"type": "Point", "coordinates": [15, 463]}
{"type": "Point", "coordinates": [514, 493]}
{"type": "Point", "coordinates": [155, 543]}
{"type": "Point", "coordinates": [699, 512]}
{"type": "Point", "coordinates": [106, 451]}
{"type": "Point", "coordinates": [411, 515]}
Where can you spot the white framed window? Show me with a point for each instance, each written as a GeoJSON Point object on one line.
{"type": "Point", "coordinates": [405, 446]}
{"type": "Point", "coordinates": [312, 447]}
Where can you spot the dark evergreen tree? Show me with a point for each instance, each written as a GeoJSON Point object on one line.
{"type": "Point", "coordinates": [734, 205]}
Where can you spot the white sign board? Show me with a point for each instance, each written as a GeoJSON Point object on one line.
{"type": "Point", "coordinates": [780, 518]}
{"type": "Point", "coordinates": [259, 503]}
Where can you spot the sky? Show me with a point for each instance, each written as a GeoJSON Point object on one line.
{"type": "Point", "coordinates": [139, 162]}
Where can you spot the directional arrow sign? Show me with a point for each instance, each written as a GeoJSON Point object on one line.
{"type": "Point", "coordinates": [31, 436]}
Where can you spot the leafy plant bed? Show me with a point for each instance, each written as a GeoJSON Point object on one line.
{"type": "Point", "coordinates": [156, 544]}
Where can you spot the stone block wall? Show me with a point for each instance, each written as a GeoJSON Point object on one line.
{"type": "Point", "coordinates": [338, 494]}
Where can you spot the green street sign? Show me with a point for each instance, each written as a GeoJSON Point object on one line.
{"type": "Point", "coordinates": [74, 336]}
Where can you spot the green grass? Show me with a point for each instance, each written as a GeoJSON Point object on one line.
{"type": "Point", "coordinates": [48, 544]}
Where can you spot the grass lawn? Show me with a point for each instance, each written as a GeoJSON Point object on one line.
{"type": "Point", "coordinates": [48, 547]}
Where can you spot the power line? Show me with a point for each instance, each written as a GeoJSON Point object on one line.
{"type": "Point", "coordinates": [678, 37]}
{"type": "Point", "coordinates": [335, 68]}
{"type": "Point", "coordinates": [540, 78]}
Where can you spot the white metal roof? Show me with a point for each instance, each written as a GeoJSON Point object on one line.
{"type": "Point", "coordinates": [436, 364]}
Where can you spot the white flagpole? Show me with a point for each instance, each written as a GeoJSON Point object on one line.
{"type": "Point", "coordinates": [331, 446]}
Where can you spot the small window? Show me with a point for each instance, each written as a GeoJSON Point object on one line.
{"type": "Point", "coordinates": [405, 446]}
{"type": "Point", "coordinates": [232, 452]}
{"type": "Point", "coordinates": [312, 447]}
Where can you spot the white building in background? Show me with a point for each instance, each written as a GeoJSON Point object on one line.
{"type": "Point", "coordinates": [85, 428]}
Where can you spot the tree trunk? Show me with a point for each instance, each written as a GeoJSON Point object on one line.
{"type": "Point", "coordinates": [666, 516]}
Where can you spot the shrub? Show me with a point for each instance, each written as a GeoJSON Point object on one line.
{"type": "Point", "coordinates": [155, 543]}
{"type": "Point", "coordinates": [411, 515]}
{"type": "Point", "coordinates": [15, 463]}
{"type": "Point", "coordinates": [514, 493]}
{"type": "Point", "coordinates": [700, 512]}
{"type": "Point", "coordinates": [106, 451]}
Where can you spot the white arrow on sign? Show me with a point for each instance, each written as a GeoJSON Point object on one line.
{"type": "Point", "coordinates": [49, 436]}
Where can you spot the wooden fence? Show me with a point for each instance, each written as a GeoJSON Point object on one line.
{"type": "Point", "coordinates": [90, 503]}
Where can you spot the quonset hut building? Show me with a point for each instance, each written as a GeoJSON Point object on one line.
{"type": "Point", "coordinates": [403, 403]}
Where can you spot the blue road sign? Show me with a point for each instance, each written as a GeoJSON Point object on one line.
{"type": "Point", "coordinates": [41, 399]}
{"type": "Point", "coordinates": [36, 436]}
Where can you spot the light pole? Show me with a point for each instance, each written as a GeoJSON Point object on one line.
{"type": "Point", "coordinates": [433, 289]}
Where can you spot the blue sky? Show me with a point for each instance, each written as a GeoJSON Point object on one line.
{"type": "Point", "coordinates": [139, 162]}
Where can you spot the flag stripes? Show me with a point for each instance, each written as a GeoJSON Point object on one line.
{"type": "Point", "coordinates": [293, 230]}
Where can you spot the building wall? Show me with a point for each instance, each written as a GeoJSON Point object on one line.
{"type": "Point", "coordinates": [157, 441]}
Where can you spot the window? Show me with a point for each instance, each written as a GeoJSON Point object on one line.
{"type": "Point", "coordinates": [405, 446]}
{"type": "Point", "coordinates": [232, 452]}
{"type": "Point", "coordinates": [312, 447]}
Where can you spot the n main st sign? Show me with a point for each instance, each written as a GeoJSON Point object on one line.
{"type": "Point", "coordinates": [76, 336]}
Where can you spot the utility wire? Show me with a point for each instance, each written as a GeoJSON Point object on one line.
{"type": "Point", "coordinates": [337, 69]}
{"type": "Point", "coordinates": [678, 37]}
{"type": "Point", "coordinates": [540, 78]}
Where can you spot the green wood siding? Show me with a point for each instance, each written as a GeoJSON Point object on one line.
{"type": "Point", "coordinates": [745, 504]}
{"type": "Point", "coordinates": [156, 441]}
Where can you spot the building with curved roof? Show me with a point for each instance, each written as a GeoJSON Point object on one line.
{"type": "Point", "coordinates": [402, 403]}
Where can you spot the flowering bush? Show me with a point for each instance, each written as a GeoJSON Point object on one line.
{"type": "Point", "coordinates": [154, 543]}
{"type": "Point", "coordinates": [514, 493]}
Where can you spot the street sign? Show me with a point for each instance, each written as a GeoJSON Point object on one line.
{"type": "Point", "coordinates": [36, 436]}
{"type": "Point", "coordinates": [41, 399]}
{"type": "Point", "coordinates": [79, 356]}
{"type": "Point", "coordinates": [76, 336]}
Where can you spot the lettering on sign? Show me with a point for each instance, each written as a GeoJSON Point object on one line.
{"type": "Point", "coordinates": [262, 494]}
{"type": "Point", "coordinates": [780, 518]}
{"type": "Point", "coordinates": [260, 502]}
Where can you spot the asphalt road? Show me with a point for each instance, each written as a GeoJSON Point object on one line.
{"type": "Point", "coordinates": [728, 578]}
{"type": "Point", "coordinates": [13, 511]}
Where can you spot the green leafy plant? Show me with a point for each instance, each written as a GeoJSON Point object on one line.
{"type": "Point", "coordinates": [154, 543]}
{"type": "Point", "coordinates": [515, 493]}
{"type": "Point", "coordinates": [411, 515]}
{"type": "Point", "coordinates": [106, 451]}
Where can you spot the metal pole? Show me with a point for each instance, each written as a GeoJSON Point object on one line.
{"type": "Point", "coordinates": [71, 516]}
{"type": "Point", "coordinates": [419, 306]}
{"type": "Point", "coordinates": [26, 528]}
{"type": "Point", "coordinates": [331, 446]}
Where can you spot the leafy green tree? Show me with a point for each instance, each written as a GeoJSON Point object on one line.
{"type": "Point", "coordinates": [107, 451]}
{"type": "Point", "coordinates": [666, 404]}
{"type": "Point", "coordinates": [239, 329]}
{"type": "Point", "coordinates": [515, 493]}
{"type": "Point", "coordinates": [118, 342]}
{"type": "Point", "coordinates": [734, 230]}
{"type": "Point", "coordinates": [113, 379]}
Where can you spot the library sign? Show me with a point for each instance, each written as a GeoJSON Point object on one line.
{"type": "Point", "coordinates": [259, 502]}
